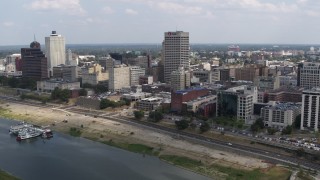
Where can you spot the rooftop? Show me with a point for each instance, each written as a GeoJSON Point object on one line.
{"type": "Point", "coordinates": [189, 90]}
{"type": "Point", "coordinates": [285, 106]}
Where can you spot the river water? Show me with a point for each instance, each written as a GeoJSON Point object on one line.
{"type": "Point", "coordinates": [70, 158]}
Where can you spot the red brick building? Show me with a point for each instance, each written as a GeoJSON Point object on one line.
{"type": "Point", "coordinates": [178, 97]}
{"type": "Point", "coordinates": [286, 95]}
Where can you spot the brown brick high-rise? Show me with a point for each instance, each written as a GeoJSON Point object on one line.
{"type": "Point", "coordinates": [34, 62]}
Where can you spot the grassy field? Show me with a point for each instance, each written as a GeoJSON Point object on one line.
{"type": "Point", "coordinates": [7, 114]}
{"type": "Point", "coordinates": [229, 173]}
{"type": "Point", "coordinates": [136, 148]}
{"type": "Point", "coordinates": [6, 176]}
{"type": "Point", "coordinates": [75, 132]}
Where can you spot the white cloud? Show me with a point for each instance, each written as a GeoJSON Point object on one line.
{"type": "Point", "coordinates": [8, 24]}
{"type": "Point", "coordinates": [72, 7]}
{"type": "Point", "coordinates": [313, 13]}
{"type": "Point", "coordinates": [108, 10]}
{"type": "Point", "coordinates": [179, 8]}
{"type": "Point", "coordinates": [131, 12]}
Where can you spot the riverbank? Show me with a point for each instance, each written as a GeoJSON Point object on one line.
{"type": "Point", "coordinates": [138, 139]}
{"type": "Point", "coordinates": [5, 176]}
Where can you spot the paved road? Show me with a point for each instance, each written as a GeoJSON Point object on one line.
{"type": "Point", "coordinates": [264, 154]}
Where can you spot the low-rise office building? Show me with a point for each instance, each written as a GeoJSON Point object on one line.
{"type": "Point", "coordinates": [149, 104]}
{"type": "Point", "coordinates": [280, 115]}
{"type": "Point", "coordinates": [50, 85]}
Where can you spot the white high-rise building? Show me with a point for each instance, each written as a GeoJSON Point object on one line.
{"type": "Point", "coordinates": [310, 110]}
{"type": "Point", "coordinates": [55, 50]}
{"type": "Point", "coordinates": [119, 77]}
{"type": "Point", "coordinates": [175, 52]}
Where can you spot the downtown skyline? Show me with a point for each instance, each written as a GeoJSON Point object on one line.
{"type": "Point", "coordinates": [144, 21]}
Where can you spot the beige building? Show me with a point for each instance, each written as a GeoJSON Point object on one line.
{"type": "Point", "coordinates": [135, 73]}
{"type": "Point", "coordinates": [180, 79]}
{"type": "Point", "coordinates": [119, 77]}
{"type": "Point", "coordinates": [267, 82]}
{"type": "Point", "coordinates": [94, 74]}
{"type": "Point", "coordinates": [65, 73]}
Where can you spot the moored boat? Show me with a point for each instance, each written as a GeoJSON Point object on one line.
{"type": "Point", "coordinates": [47, 133]}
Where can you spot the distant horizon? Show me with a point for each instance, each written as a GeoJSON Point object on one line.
{"type": "Point", "coordinates": [93, 44]}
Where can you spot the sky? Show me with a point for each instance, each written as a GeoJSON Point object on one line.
{"type": "Point", "coordinates": [145, 21]}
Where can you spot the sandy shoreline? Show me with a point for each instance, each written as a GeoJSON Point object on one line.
{"type": "Point", "coordinates": [105, 130]}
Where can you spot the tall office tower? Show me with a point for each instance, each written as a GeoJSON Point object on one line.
{"type": "Point", "coordinates": [175, 52]}
{"type": "Point", "coordinates": [309, 75]}
{"type": "Point", "coordinates": [55, 50]}
{"type": "Point", "coordinates": [310, 110]}
{"type": "Point", "coordinates": [34, 62]}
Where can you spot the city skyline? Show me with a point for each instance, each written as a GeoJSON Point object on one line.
{"type": "Point", "coordinates": [144, 21]}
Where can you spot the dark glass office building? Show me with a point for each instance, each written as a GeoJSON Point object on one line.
{"type": "Point", "coordinates": [34, 63]}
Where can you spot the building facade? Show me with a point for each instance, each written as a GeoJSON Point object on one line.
{"type": "Point", "coordinates": [238, 102]}
{"type": "Point", "coordinates": [308, 75]}
{"type": "Point", "coordinates": [65, 73]}
{"type": "Point", "coordinates": [55, 50]}
{"type": "Point", "coordinates": [286, 94]}
{"type": "Point", "coordinates": [135, 73]}
{"type": "Point", "coordinates": [50, 85]}
{"type": "Point", "coordinates": [180, 79]}
{"type": "Point", "coordinates": [149, 104]}
{"type": "Point", "coordinates": [178, 97]}
{"type": "Point", "coordinates": [280, 115]}
{"type": "Point", "coordinates": [119, 77]}
{"type": "Point", "coordinates": [94, 75]}
{"type": "Point", "coordinates": [267, 82]}
{"type": "Point", "coordinates": [310, 110]}
{"type": "Point", "coordinates": [175, 52]}
{"type": "Point", "coordinates": [246, 73]}
{"type": "Point", "coordinates": [34, 62]}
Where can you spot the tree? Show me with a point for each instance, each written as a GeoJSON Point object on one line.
{"type": "Point", "coordinates": [204, 127]}
{"type": "Point", "coordinates": [287, 130]}
{"type": "Point", "coordinates": [13, 82]}
{"type": "Point", "coordinates": [254, 128]}
{"type": "Point", "coordinates": [62, 95]}
{"type": "Point", "coordinates": [271, 131]}
{"type": "Point", "coordinates": [104, 103]}
{"type": "Point", "coordinates": [65, 94]}
{"type": "Point", "coordinates": [155, 116]}
{"type": "Point", "coordinates": [27, 83]}
{"type": "Point", "coordinates": [55, 93]}
{"type": "Point", "coordinates": [182, 124]}
{"type": "Point", "coordinates": [83, 92]}
{"type": "Point", "coordinates": [3, 80]}
{"type": "Point", "coordinates": [138, 114]}
{"type": "Point", "coordinates": [257, 125]}
{"type": "Point", "coordinates": [100, 88]}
